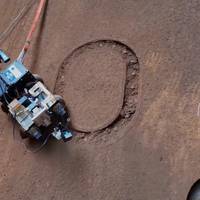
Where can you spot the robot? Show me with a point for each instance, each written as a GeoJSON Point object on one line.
{"type": "Point", "coordinates": [38, 113]}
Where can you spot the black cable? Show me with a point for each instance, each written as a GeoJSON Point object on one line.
{"type": "Point", "coordinates": [42, 145]}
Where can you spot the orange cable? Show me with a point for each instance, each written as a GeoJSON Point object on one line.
{"type": "Point", "coordinates": [31, 31]}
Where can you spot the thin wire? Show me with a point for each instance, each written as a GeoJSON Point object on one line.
{"type": "Point", "coordinates": [42, 145]}
{"type": "Point", "coordinates": [37, 150]}
{"type": "Point", "coordinates": [16, 20]}
{"type": "Point", "coordinates": [25, 146]}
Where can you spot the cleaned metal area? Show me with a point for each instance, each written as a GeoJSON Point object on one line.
{"type": "Point", "coordinates": [99, 81]}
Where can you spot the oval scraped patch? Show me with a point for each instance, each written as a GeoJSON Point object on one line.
{"type": "Point", "coordinates": [92, 80]}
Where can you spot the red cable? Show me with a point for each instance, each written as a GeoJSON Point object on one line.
{"type": "Point", "coordinates": [31, 31]}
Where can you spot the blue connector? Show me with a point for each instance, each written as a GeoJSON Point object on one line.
{"type": "Point", "coordinates": [3, 57]}
{"type": "Point", "coordinates": [67, 135]}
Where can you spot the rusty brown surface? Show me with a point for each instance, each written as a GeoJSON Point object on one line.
{"type": "Point", "coordinates": [158, 155]}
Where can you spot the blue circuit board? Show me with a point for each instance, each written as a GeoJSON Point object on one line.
{"type": "Point", "coordinates": [13, 73]}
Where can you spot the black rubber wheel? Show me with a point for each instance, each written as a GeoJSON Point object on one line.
{"type": "Point", "coordinates": [23, 134]}
{"type": "Point", "coordinates": [59, 99]}
{"type": "Point", "coordinates": [194, 193]}
{"type": "Point", "coordinates": [60, 110]}
{"type": "Point", "coordinates": [4, 108]}
{"type": "Point", "coordinates": [35, 133]}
